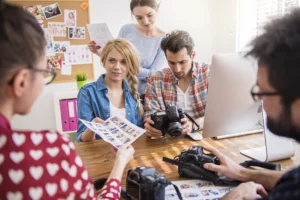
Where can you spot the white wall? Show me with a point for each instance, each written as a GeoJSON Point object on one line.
{"type": "Point", "coordinates": [211, 23]}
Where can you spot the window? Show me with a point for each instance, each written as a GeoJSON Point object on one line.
{"type": "Point", "coordinates": [254, 14]}
{"type": "Point", "coordinates": [270, 9]}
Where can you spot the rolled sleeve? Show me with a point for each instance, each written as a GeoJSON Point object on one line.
{"type": "Point", "coordinates": [85, 111]}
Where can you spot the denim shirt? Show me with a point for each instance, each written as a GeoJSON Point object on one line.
{"type": "Point", "coordinates": [92, 102]}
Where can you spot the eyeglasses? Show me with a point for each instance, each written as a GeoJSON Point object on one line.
{"type": "Point", "coordinates": [49, 75]}
{"type": "Point", "coordinates": [256, 94]}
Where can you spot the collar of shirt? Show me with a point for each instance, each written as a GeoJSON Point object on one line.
{"type": "Point", "coordinates": [102, 86]}
{"type": "Point", "coordinates": [4, 124]}
{"type": "Point", "coordinates": [193, 71]}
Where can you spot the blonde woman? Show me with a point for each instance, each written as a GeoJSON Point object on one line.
{"type": "Point", "coordinates": [114, 93]}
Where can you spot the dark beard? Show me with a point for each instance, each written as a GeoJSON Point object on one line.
{"type": "Point", "coordinates": [284, 125]}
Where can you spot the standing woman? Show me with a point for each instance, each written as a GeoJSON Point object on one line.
{"type": "Point", "coordinates": [146, 37]}
{"type": "Point", "coordinates": [114, 93]}
{"type": "Point", "coordinates": [38, 164]}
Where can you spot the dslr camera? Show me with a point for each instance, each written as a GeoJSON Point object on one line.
{"type": "Point", "coordinates": [144, 183]}
{"type": "Point", "coordinates": [169, 121]}
{"type": "Point", "coordinates": [190, 164]}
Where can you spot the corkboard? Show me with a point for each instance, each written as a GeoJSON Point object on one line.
{"type": "Point", "coordinates": [83, 18]}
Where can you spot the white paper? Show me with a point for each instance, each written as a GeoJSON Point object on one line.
{"type": "Point", "coordinates": [99, 33]}
{"type": "Point", "coordinates": [77, 55]}
{"type": "Point", "coordinates": [57, 29]}
{"type": "Point", "coordinates": [196, 189]}
{"type": "Point", "coordinates": [50, 43]}
{"type": "Point", "coordinates": [116, 130]}
{"type": "Point", "coordinates": [66, 69]}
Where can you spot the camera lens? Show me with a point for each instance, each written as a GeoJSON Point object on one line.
{"type": "Point", "coordinates": [174, 129]}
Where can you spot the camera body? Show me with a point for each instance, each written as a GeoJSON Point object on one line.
{"type": "Point", "coordinates": [144, 183]}
{"type": "Point", "coordinates": [191, 163]}
{"type": "Point", "coordinates": [169, 121]}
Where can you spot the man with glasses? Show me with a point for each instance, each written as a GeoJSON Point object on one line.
{"type": "Point", "coordinates": [278, 86]}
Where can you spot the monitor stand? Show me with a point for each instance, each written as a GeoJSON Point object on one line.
{"type": "Point", "coordinates": [276, 147]}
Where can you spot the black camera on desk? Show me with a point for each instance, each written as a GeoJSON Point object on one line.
{"type": "Point", "coordinates": [190, 164]}
{"type": "Point", "coordinates": [144, 183]}
{"type": "Point", "coordinates": [168, 121]}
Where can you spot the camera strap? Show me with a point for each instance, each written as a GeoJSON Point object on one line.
{"type": "Point", "coordinates": [177, 191]}
{"type": "Point", "coordinates": [192, 120]}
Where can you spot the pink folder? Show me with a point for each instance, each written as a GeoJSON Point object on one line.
{"type": "Point", "coordinates": [64, 112]}
{"type": "Point", "coordinates": [72, 114]}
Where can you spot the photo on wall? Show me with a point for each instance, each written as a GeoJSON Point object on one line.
{"type": "Point", "coordinates": [76, 32]}
{"type": "Point", "coordinates": [51, 11]}
{"type": "Point", "coordinates": [36, 11]}
{"type": "Point", "coordinates": [70, 17]}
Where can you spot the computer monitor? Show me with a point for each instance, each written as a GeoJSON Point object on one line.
{"type": "Point", "coordinates": [230, 109]}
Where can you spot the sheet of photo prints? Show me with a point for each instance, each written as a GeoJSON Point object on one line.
{"type": "Point", "coordinates": [116, 130]}
{"type": "Point", "coordinates": [196, 189]}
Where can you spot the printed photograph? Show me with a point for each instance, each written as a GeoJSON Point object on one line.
{"type": "Point", "coordinates": [191, 195]}
{"type": "Point", "coordinates": [70, 17]}
{"type": "Point", "coordinates": [204, 184]}
{"type": "Point", "coordinates": [186, 186]}
{"type": "Point", "coordinates": [54, 62]}
{"type": "Point", "coordinates": [51, 11]}
{"type": "Point", "coordinates": [36, 11]}
{"type": "Point", "coordinates": [76, 32]}
{"type": "Point", "coordinates": [61, 46]}
{"type": "Point", "coordinates": [224, 190]}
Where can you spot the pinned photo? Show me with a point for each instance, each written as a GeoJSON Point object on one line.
{"type": "Point", "coordinates": [76, 32]}
{"type": "Point", "coordinates": [36, 11]}
{"type": "Point", "coordinates": [54, 62]}
{"type": "Point", "coordinates": [51, 11]}
{"type": "Point", "coordinates": [70, 17]}
{"type": "Point", "coordinates": [61, 46]}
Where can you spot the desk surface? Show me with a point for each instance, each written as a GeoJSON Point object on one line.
{"type": "Point", "coordinates": [149, 152]}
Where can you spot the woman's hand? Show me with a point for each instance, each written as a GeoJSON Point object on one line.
{"type": "Point", "coordinates": [124, 155]}
{"type": "Point", "coordinates": [93, 47]}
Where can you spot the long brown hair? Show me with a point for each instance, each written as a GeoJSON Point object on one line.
{"type": "Point", "coordinates": [21, 39]}
{"type": "Point", "coordinates": [129, 52]}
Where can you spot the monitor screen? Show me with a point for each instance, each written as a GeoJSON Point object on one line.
{"type": "Point", "coordinates": [230, 109]}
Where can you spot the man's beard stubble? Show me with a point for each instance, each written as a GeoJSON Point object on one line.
{"type": "Point", "coordinates": [284, 125]}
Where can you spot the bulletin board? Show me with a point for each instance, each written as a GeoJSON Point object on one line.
{"type": "Point", "coordinates": [82, 18]}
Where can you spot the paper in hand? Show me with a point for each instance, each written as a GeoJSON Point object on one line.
{"type": "Point", "coordinates": [99, 33]}
{"type": "Point", "coordinates": [116, 130]}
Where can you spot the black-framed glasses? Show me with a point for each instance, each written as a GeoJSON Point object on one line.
{"type": "Point", "coordinates": [49, 75]}
{"type": "Point", "coordinates": [256, 94]}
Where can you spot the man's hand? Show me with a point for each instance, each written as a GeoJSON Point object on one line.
{"type": "Point", "coordinates": [247, 191]}
{"type": "Point", "coordinates": [227, 167]}
{"type": "Point", "coordinates": [150, 130]}
{"type": "Point", "coordinates": [186, 126]}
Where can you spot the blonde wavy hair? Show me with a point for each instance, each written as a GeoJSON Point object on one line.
{"type": "Point", "coordinates": [129, 52]}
